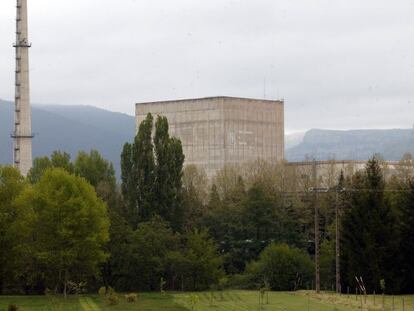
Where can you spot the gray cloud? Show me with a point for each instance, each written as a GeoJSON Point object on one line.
{"type": "Point", "coordinates": [337, 64]}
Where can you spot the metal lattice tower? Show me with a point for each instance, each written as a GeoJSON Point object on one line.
{"type": "Point", "coordinates": [22, 134]}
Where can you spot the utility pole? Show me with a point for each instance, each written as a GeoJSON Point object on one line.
{"type": "Point", "coordinates": [337, 245]}
{"type": "Point", "coordinates": [317, 251]}
{"type": "Point", "coordinates": [22, 133]}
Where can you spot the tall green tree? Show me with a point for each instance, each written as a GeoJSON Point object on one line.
{"type": "Point", "coordinates": [11, 185]}
{"type": "Point", "coordinates": [152, 174]}
{"type": "Point", "coordinates": [168, 174]}
{"type": "Point", "coordinates": [68, 228]}
{"type": "Point", "coordinates": [138, 174]}
{"type": "Point", "coordinates": [194, 196]}
{"type": "Point", "coordinates": [369, 233]}
{"type": "Point", "coordinates": [406, 223]}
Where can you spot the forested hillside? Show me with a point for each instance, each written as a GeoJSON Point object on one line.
{"type": "Point", "coordinates": [70, 129]}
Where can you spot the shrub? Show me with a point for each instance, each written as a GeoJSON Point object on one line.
{"type": "Point", "coordinates": [113, 299]}
{"type": "Point", "coordinates": [132, 297]}
{"type": "Point", "coordinates": [280, 265]}
{"type": "Point", "coordinates": [102, 291]}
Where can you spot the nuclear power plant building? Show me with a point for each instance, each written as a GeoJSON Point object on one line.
{"type": "Point", "coordinates": [217, 131]}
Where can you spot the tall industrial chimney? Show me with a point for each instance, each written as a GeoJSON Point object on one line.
{"type": "Point", "coordinates": [22, 134]}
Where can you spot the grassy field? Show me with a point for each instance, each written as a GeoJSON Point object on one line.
{"type": "Point", "coordinates": [273, 301]}
{"type": "Point", "coordinates": [146, 302]}
{"type": "Point", "coordinates": [219, 301]}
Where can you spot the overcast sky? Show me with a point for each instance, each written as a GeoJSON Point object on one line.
{"type": "Point", "coordinates": [338, 64]}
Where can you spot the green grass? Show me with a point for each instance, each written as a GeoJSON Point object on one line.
{"type": "Point", "coordinates": [288, 301]}
{"type": "Point", "coordinates": [146, 302]}
{"type": "Point", "coordinates": [216, 301]}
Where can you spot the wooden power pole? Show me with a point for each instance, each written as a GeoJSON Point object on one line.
{"type": "Point", "coordinates": [317, 251]}
{"type": "Point", "coordinates": [337, 245]}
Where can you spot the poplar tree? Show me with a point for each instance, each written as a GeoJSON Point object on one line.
{"type": "Point", "coordinates": [137, 169]}
{"type": "Point", "coordinates": [152, 174]}
{"type": "Point", "coordinates": [168, 174]}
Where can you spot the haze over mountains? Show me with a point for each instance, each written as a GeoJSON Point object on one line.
{"type": "Point", "coordinates": [319, 144]}
{"type": "Point", "coordinates": [74, 128]}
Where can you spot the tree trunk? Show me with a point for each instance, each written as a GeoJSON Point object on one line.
{"type": "Point", "coordinates": [65, 285]}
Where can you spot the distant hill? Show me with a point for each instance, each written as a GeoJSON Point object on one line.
{"type": "Point", "coordinates": [352, 145]}
{"type": "Point", "coordinates": [70, 129]}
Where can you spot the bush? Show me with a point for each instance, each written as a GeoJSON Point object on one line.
{"type": "Point", "coordinates": [113, 299]}
{"type": "Point", "coordinates": [280, 265]}
{"type": "Point", "coordinates": [109, 295]}
{"type": "Point", "coordinates": [102, 291]}
{"type": "Point", "coordinates": [132, 297]}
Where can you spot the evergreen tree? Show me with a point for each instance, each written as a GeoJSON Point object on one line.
{"type": "Point", "coordinates": [369, 233]}
{"type": "Point", "coordinates": [407, 236]}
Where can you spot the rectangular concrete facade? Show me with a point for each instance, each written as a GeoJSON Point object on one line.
{"type": "Point", "coordinates": [217, 131]}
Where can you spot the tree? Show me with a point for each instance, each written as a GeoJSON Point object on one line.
{"type": "Point", "coordinates": [142, 267]}
{"type": "Point", "coordinates": [204, 261]}
{"type": "Point", "coordinates": [94, 168]}
{"type": "Point", "coordinates": [194, 195]}
{"type": "Point", "coordinates": [168, 174]}
{"type": "Point", "coordinates": [11, 185]}
{"type": "Point", "coordinates": [99, 173]}
{"type": "Point", "coordinates": [138, 174]}
{"type": "Point", "coordinates": [152, 174]}
{"type": "Point", "coordinates": [40, 165]}
{"type": "Point", "coordinates": [369, 233]}
{"type": "Point", "coordinates": [68, 227]}
{"type": "Point", "coordinates": [61, 160]}
{"type": "Point", "coordinates": [58, 159]}
{"type": "Point", "coordinates": [259, 217]}
{"type": "Point", "coordinates": [406, 248]}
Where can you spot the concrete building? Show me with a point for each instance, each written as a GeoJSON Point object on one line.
{"type": "Point", "coordinates": [22, 134]}
{"type": "Point", "coordinates": [216, 131]}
